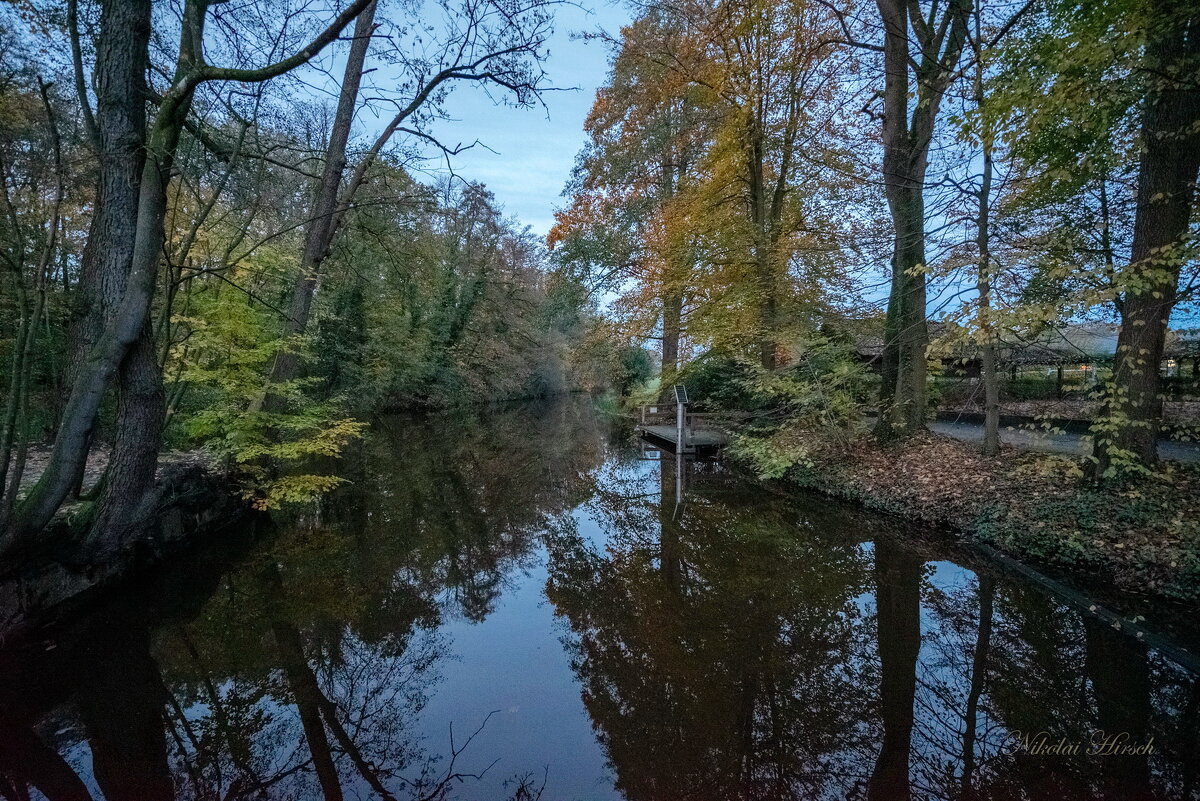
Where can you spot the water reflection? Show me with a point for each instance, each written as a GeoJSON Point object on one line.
{"type": "Point", "coordinates": [742, 646]}
{"type": "Point", "coordinates": [724, 642]}
{"type": "Point", "coordinates": [293, 664]}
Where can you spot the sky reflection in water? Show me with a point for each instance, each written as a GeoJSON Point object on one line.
{"type": "Point", "coordinates": [606, 626]}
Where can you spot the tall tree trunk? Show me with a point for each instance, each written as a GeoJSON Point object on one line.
{"type": "Point", "coordinates": [672, 323]}
{"type": "Point", "coordinates": [672, 292]}
{"type": "Point", "coordinates": [1167, 174]}
{"type": "Point", "coordinates": [762, 249]}
{"type": "Point", "coordinates": [127, 321]}
{"type": "Point", "coordinates": [906, 140]}
{"type": "Point", "coordinates": [321, 228]}
{"type": "Point", "coordinates": [768, 309]}
{"type": "Point", "coordinates": [122, 59]}
{"type": "Point", "coordinates": [906, 338]}
{"type": "Point", "coordinates": [983, 283]}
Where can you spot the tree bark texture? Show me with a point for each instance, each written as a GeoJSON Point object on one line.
{"type": "Point", "coordinates": [906, 142]}
{"type": "Point", "coordinates": [122, 59]}
{"type": "Point", "coordinates": [129, 477]}
{"type": "Point", "coordinates": [1170, 162]}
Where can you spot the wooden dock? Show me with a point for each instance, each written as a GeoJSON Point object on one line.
{"type": "Point", "coordinates": [674, 425]}
{"type": "Point", "coordinates": [696, 437]}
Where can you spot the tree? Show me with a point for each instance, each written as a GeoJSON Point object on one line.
{"type": "Point", "coordinates": [1166, 188]}
{"type": "Point", "coordinates": [141, 235]}
{"type": "Point", "coordinates": [745, 100]}
{"type": "Point", "coordinates": [490, 44]}
{"type": "Point", "coordinates": [924, 75]}
{"type": "Point", "coordinates": [982, 128]}
{"type": "Point", "coordinates": [646, 129]}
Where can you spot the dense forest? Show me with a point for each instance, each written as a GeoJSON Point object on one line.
{"type": "Point", "coordinates": [194, 260]}
{"type": "Point", "coordinates": [225, 228]}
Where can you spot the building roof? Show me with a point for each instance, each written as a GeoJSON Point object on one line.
{"type": "Point", "coordinates": [1070, 344]}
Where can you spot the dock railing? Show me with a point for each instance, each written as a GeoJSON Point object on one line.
{"type": "Point", "coordinates": [652, 414]}
{"type": "Point", "coordinates": [677, 416]}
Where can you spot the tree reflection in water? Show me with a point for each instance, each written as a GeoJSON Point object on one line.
{"type": "Point", "coordinates": [292, 664]}
{"type": "Point", "coordinates": [735, 645]}
{"type": "Point", "coordinates": [727, 642]}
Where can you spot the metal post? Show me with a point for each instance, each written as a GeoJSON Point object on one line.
{"type": "Point", "coordinates": [681, 432]}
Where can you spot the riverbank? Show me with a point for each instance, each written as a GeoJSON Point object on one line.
{"type": "Point", "coordinates": [192, 498]}
{"type": "Point", "coordinates": [1034, 506]}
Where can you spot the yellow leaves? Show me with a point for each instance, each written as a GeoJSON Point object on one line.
{"type": "Point", "coordinates": [296, 439]}
{"type": "Point", "coordinates": [224, 357]}
{"type": "Point", "coordinates": [291, 489]}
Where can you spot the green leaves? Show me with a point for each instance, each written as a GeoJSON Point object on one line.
{"type": "Point", "coordinates": [220, 368]}
{"type": "Point", "coordinates": [817, 400]}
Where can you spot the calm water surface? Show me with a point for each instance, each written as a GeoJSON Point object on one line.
{"type": "Point", "coordinates": [529, 603]}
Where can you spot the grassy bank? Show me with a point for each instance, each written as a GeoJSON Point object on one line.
{"type": "Point", "coordinates": [1143, 535]}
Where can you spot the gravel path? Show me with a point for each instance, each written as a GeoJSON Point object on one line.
{"type": "Point", "coordinates": [1072, 444]}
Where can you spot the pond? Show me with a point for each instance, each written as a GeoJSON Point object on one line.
{"type": "Point", "coordinates": [531, 604]}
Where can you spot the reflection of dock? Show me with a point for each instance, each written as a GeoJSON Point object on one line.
{"type": "Point", "coordinates": [674, 425]}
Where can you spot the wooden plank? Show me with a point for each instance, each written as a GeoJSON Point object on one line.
{"type": "Point", "coordinates": [701, 437]}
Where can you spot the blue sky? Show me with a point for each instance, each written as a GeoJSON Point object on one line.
{"type": "Point", "coordinates": [535, 148]}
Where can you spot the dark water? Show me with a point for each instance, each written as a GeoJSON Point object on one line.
{"type": "Point", "coordinates": [529, 602]}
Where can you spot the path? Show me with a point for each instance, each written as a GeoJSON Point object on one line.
{"type": "Point", "coordinates": [97, 460]}
{"type": "Point", "coordinates": [1073, 444]}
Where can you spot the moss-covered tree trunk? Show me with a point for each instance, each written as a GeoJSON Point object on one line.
{"type": "Point", "coordinates": [903, 389]}
{"type": "Point", "coordinates": [1170, 162]}
{"type": "Point", "coordinates": [906, 140]}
